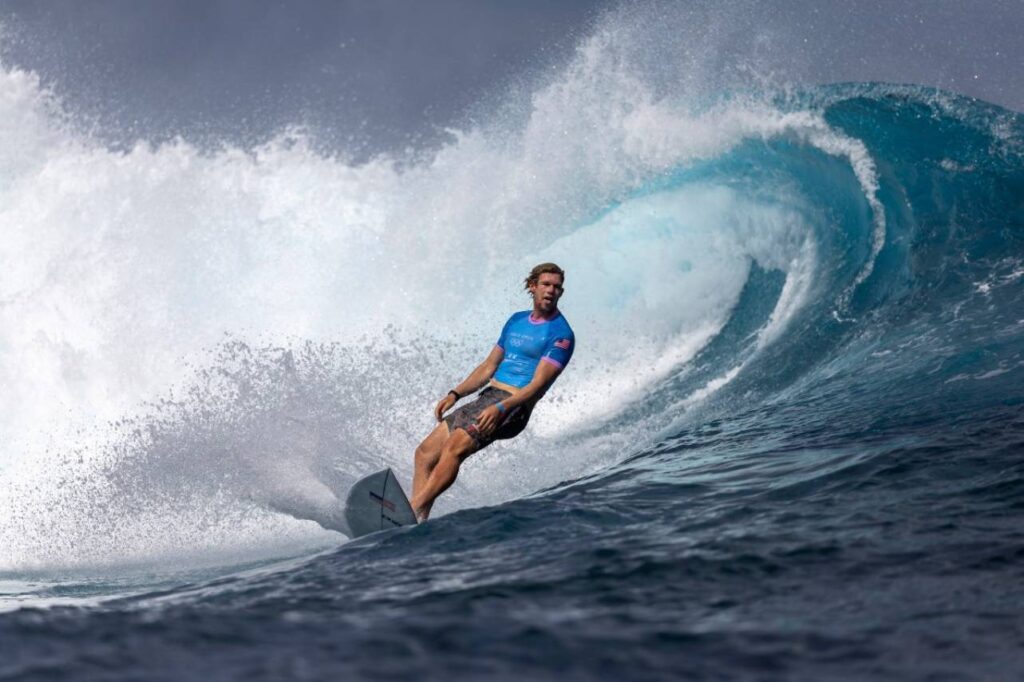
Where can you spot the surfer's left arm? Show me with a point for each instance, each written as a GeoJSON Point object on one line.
{"type": "Point", "coordinates": [543, 377]}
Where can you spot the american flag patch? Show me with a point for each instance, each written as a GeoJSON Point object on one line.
{"type": "Point", "coordinates": [563, 343]}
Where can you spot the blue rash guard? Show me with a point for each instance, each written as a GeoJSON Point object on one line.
{"type": "Point", "coordinates": [527, 342]}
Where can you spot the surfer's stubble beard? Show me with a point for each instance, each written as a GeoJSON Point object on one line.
{"type": "Point", "coordinates": [546, 294]}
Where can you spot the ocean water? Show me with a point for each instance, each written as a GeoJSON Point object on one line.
{"type": "Point", "coordinates": [788, 446]}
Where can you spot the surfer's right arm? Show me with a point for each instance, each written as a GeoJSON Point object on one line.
{"type": "Point", "coordinates": [473, 383]}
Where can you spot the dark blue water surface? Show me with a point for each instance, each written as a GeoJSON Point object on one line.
{"type": "Point", "coordinates": [848, 507]}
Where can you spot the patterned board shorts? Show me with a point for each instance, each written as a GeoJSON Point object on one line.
{"type": "Point", "coordinates": [465, 417]}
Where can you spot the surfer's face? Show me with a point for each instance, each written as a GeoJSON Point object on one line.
{"type": "Point", "coordinates": [546, 292]}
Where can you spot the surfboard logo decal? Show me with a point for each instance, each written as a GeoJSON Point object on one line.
{"type": "Point", "coordinates": [380, 500]}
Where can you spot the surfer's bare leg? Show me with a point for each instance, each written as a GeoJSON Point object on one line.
{"type": "Point", "coordinates": [427, 454]}
{"type": "Point", "coordinates": [457, 447]}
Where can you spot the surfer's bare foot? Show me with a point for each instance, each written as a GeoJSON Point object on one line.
{"type": "Point", "coordinates": [421, 515]}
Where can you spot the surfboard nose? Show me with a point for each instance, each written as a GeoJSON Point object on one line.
{"type": "Point", "coordinates": [376, 502]}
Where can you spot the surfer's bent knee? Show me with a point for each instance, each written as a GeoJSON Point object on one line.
{"type": "Point", "coordinates": [425, 454]}
{"type": "Point", "coordinates": [459, 445]}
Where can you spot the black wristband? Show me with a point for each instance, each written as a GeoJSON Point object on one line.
{"type": "Point", "coordinates": [456, 394]}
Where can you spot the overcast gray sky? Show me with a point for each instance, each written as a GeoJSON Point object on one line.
{"type": "Point", "coordinates": [382, 74]}
{"type": "Point", "coordinates": [389, 71]}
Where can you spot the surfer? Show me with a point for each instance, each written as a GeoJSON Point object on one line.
{"type": "Point", "coordinates": [534, 347]}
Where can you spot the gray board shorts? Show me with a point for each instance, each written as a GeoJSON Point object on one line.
{"type": "Point", "coordinates": [465, 417]}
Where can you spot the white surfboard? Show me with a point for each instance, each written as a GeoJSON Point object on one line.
{"type": "Point", "coordinates": [376, 502]}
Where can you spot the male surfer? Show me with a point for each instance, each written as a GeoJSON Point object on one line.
{"type": "Point", "coordinates": [534, 347]}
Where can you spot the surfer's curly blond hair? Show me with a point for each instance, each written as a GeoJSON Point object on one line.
{"type": "Point", "coordinates": [538, 270]}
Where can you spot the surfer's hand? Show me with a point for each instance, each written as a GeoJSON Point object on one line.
{"type": "Point", "coordinates": [443, 405]}
{"type": "Point", "coordinates": [488, 420]}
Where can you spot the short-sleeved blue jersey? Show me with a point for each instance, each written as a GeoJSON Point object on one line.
{"type": "Point", "coordinates": [527, 342]}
